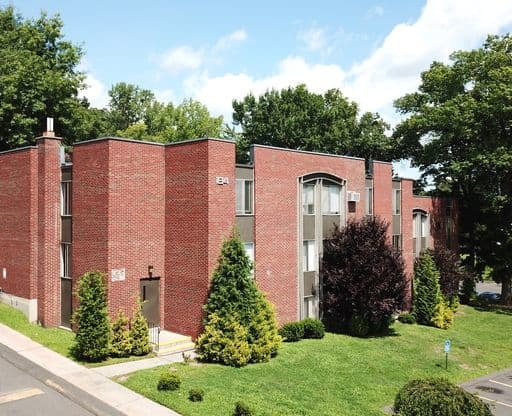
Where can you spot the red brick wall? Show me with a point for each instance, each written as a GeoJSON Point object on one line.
{"type": "Point", "coordinates": [18, 222]}
{"type": "Point", "coordinates": [49, 200]}
{"type": "Point", "coordinates": [198, 215]}
{"type": "Point", "coordinates": [118, 215]}
{"type": "Point", "coordinates": [276, 174]}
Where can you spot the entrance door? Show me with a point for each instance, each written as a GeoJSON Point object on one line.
{"type": "Point", "coordinates": [65, 302]}
{"type": "Point", "coordinates": [150, 296]}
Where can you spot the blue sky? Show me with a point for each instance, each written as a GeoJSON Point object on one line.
{"type": "Point", "coordinates": [373, 51]}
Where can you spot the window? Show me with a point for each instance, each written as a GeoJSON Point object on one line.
{"type": "Point", "coordinates": [309, 256]}
{"type": "Point", "coordinates": [396, 201]}
{"type": "Point", "coordinates": [308, 198]}
{"type": "Point", "coordinates": [369, 201]}
{"type": "Point", "coordinates": [65, 191]}
{"type": "Point", "coordinates": [420, 232]}
{"type": "Point", "coordinates": [244, 197]}
{"type": "Point", "coordinates": [65, 260]}
{"type": "Point", "coordinates": [397, 242]}
{"type": "Point", "coordinates": [331, 199]}
{"type": "Point", "coordinates": [249, 250]}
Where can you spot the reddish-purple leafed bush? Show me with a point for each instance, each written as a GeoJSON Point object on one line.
{"type": "Point", "coordinates": [363, 278]}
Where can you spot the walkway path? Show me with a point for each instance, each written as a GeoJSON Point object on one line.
{"type": "Point", "coordinates": [87, 387]}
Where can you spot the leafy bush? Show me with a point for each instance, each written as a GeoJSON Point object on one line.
{"type": "Point", "coordinates": [196, 395]}
{"type": "Point", "coordinates": [427, 293]}
{"type": "Point", "coordinates": [313, 328]}
{"type": "Point", "coordinates": [169, 381]}
{"type": "Point", "coordinates": [121, 345]}
{"type": "Point", "coordinates": [224, 340]}
{"type": "Point", "coordinates": [364, 278]}
{"type": "Point", "coordinates": [292, 331]}
{"type": "Point", "coordinates": [437, 397]}
{"type": "Point", "coordinates": [91, 317]}
{"type": "Point", "coordinates": [407, 318]}
{"type": "Point", "coordinates": [139, 332]}
{"type": "Point", "coordinates": [443, 315]}
{"type": "Point", "coordinates": [241, 409]}
{"type": "Point", "coordinates": [240, 324]}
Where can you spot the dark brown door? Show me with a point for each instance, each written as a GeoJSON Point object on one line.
{"type": "Point", "coordinates": [150, 296]}
{"type": "Point", "coordinates": [65, 302]}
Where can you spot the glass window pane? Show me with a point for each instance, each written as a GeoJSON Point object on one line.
{"type": "Point", "coordinates": [248, 197]}
{"type": "Point", "coordinates": [308, 199]}
{"type": "Point", "coordinates": [239, 196]}
{"type": "Point", "coordinates": [334, 199]}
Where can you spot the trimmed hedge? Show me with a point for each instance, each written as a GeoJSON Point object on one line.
{"type": "Point", "coordinates": [313, 328]}
{"type": "Point", "coordinates": [437, 397]}
{"type": "Point", "coordinates": [169, 381]}
{"type": "Point", "coordinates": [292, 331]}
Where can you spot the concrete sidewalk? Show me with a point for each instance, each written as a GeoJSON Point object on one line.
{"type": "Point", "coordinates": [73, 380]}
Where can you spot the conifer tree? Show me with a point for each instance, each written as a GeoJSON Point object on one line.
{"type": "Point", "coordinates": [121, 345]}
{"type": "Point", "coordinates": [237, 314]}
{"type": "Point", "coordinates": [91, 317]}
{"type": "Point", "coordinates": [139, 332]}
{"type": "Point", "coordinates": [427, 293]}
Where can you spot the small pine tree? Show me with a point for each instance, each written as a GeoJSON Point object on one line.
{"type": "Point", "coordinates": [91, 317]}
{"type": "Point", "coordinates": [427, 293]}
{"type": "Point", "coordinates": [121, 345]}
{"type": "Point", "coordinates": [240, 324]}
{"type": "Point", "coordinates": [139, 332]}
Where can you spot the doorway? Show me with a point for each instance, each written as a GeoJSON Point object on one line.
{"type": "Point", "coordinates": [150, 297]}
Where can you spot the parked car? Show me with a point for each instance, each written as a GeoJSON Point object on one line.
{"type": "Point", "coordinates": [490, 297]}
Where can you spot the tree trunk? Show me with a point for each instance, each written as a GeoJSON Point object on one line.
{"type": "Point", "coordinates": [506, 290]}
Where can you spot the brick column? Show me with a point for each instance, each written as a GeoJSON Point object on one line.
{"type": "Point", "coordinates": [48, 230]}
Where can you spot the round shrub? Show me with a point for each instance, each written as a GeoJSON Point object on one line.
{"type": "Point", "coordinates": [196, 395]}
{"type": "Point", "coordinates": [313, 328]}
{"type": "Point", "coordinates": [292, 331]}
{"type": "Point", "coordinates": [437, 397]}
{"type": "Point", "coordinates": [169, 381]}
{"type": "Point", "coordinates": [241, 409]}
{"type": "Point", "coordinates": [407, 318]}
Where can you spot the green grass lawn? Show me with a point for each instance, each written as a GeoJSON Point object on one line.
{"type": "Point", "coordinates": [341, 375]}
{"type": "Point", "coordinates": [56, 339]}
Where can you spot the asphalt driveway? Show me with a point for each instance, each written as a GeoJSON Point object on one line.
{"type": "Point", "coordinates": [495, 389]}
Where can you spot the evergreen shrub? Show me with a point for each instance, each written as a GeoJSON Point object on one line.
{"type": "Point", "coordinates": [240, 324]}
{"type": "Point", "coordinates": [91, 318]}
{"type": "Point", "coordinates": [196, 395]}
{"type": "Point", "coordinates": [169, 381]}
{"type": "Point", "coordinates": [407, 318]}
{"type": "Point", "coordinates": [313, 328]}
{"type": "Point", "coordinates": [121, 344]}
{"type": "Point", "coordinates": [427, 293]}
{"type": "Point", "coordinates": [437, 397]}
{"type": "Point", "coordinates": [242, 409]}
{"type": "Point", "coordinates": [139, 332]}
{"type": "Point", "coordinates": [292, 331]}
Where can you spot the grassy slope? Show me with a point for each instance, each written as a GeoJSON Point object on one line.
{"type": "Point", "coordinates": [341, 374]}
{"type": "Point", "coordinates": [57, 339]}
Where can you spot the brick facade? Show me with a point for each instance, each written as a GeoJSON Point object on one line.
{"type": "Point", "coordinates": [136, 205]}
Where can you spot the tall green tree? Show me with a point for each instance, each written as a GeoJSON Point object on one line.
{"type": "Point", "coordinates": [38, 78]}
{"type": "Point", "coordinates": [128, 105]}
{"type": "Point", "coordinates": [459, 131]}
{"type": "Point", "coordinates": [295, 118]}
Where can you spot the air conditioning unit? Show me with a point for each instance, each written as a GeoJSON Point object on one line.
{"type": "Point", "coordinates": [354, 196]}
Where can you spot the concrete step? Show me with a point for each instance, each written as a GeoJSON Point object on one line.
{"type": "Point", "coordinates": [176, 345]}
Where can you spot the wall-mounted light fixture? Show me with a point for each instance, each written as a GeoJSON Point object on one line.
{"type": "Point", "coordinates": [150, 271]}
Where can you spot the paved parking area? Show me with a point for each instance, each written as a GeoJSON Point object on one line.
{"type": "Point", "coordinates": [495, 389]}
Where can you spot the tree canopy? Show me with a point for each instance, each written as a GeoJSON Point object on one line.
{"type": "Point", "coordinates": [295, 118]}
{"type": "Point", "coordinates": [459, 131]}
{"type": "Point", "coordinates": [38, 78]}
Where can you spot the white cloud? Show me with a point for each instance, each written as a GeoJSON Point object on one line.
{"type": "Point", "coordinates": [95, 91]}
{"type": "Point", "coordinates": [444, 26]}
{"type": "Point", "coordinates": [217, 93]}
{"type": "Point", "coordinates": [225, 42]}
{"type": "Point", "coordinates": [182, 58]}
{"type": "Point", "coordinates": [165, 95]}
{"type": "Point", "coordinates": [314, 38]}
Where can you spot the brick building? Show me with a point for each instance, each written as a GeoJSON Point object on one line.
{"type": "Point", "coordinates": [153, 218]}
